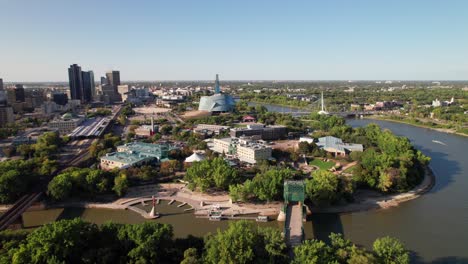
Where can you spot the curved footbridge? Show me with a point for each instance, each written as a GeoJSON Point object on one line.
{"type": "Point", "coordinates": [294, 212]}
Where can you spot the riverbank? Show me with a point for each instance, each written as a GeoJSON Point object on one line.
{"type": "Point", "coordinates": [369, 200]}
{"type": "Point", "coordinates": [200, 203]}
{"type": "Point", "coordinates": [443, 130]}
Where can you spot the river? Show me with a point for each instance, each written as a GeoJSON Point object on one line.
{"type": "Point", "coordinates": [434, 227]}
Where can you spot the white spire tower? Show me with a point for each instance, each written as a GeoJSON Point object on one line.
{"type": "Point", "coordinates": [323, 111]}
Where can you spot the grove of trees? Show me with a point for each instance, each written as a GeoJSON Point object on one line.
{"type": "Point", "coordinates": [76, 241]}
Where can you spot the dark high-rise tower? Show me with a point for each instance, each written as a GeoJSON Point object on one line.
{"type": "Point", "coordinates": [75, 79]}
{"type": "Point", "coordinates": [104, 80]}
{"type": "Point", "coordinates": [19, 92]}
{"type": "Point", "coordinates": [113, 78]}
{"type": "Point", "coordinates": [1, 84]}
{"type": "Point", "coordinates": [88, 86]}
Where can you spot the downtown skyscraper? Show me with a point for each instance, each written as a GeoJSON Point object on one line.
{"type": "Point", "coordinates": [81, 84]}
{"type": "Point", "coordinates": [88, 85]}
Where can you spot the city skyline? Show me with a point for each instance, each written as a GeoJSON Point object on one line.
{"type": "Point", "coordinates": [264, 40]}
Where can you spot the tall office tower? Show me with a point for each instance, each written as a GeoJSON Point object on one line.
{"type": "Point", "coordinates": [1, 84]}
{"type": "Point", "coordinates": [113, 78]}
{"type": "Point", "coordinates": [104, 80]}
{"type": "Point", "coordinates": [19, 93]}
{"type": "Point", "coordinates": [75, 79]}
{"type": "Point", "coordinates": [88, 86]}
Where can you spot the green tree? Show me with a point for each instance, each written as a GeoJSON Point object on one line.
{"type": "Point", "coordinates": [191, 257]}
{"type": "Point", "coordinates": [390, 251]}
{"type": "Point", "coordinates": [60, 186]}
{"type": "Point", "coordinates": [242, 242]}
{"type": "Point", "coordinates": [120, 184]}
{"type": "Point", "coordinates": [322, 189]}
{"type": "Point", "coordinates": [68, 241]}
{"type": "Point", "coordinates": [211, 173]}
{"type": "Point", "coordinates": [313, 252]}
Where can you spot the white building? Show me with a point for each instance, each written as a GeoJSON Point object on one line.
{"type": "Point", "coordinates": [66, 124]}
{"type": "Point", "coordinates": [245, 150]}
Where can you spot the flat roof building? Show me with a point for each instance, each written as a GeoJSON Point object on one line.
{"type": "Point", "coordinates": [264, 132]}
{"type": "Point", "coordinates": [337, 147]}
{"type": "Point", "coordinates": [134, 154]}
{"type": "Point", "coordinates": [246, 150]}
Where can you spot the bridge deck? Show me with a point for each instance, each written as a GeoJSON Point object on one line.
{"type": "Point", "coordinates": [294, 224]}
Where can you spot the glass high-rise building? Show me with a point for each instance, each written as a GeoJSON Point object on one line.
{"type": "Point", "coordinates": [19, 93]}
{"type": "Point", "coordinates": [113, 78]}
{"type": "Point", "coordinates": [88, 86]}
{"type": "Point", "coordinates": [75, 79]}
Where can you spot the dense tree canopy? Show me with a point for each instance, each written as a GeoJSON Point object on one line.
{"type": "Point", "coordinates": [322, 189]}
{"type": "Point", "coordinates": [242, 242]}
{"type": "Point", "coordinates": [85, 182]}
{"type": "Point", "coordinates": [76, 241]}
{"type": "Point", "coordinates": [211, 173]}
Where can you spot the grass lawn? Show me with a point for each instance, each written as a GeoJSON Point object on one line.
{"type": "Point", "coordinates": [322, 164]}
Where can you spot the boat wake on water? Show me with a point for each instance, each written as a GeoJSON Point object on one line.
{"type": "Point", "coordinates": [439, 142]}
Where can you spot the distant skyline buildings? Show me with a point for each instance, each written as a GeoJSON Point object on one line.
{"type": "Point", "coordinates": [113, 78]}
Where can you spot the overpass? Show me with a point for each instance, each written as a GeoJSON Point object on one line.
{"type": "Point", "coordinates": [295, 212]}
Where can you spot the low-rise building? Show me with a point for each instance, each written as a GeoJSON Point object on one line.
{"type": "Point", "coordinates": [135, 154]}
{"type": "Point", "coordinates": [246, 150]}
{"type": "Point", "coordinates": [66, 124]}
{"type": "Point", "coordinates": [264, 132]}
{"type": "Point", "coordinates": [337, 147]}
{"type": "Point", "coordinates": [216, 129]}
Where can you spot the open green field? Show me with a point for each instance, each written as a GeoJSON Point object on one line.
{"type": "Point", "coordinates": [323, 165]}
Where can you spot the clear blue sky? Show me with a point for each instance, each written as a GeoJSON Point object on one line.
{"type": "Point", "coordinates": [241, 39]}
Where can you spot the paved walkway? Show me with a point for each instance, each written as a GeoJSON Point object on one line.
{"type": "Point", "coordinates": [294, 224]}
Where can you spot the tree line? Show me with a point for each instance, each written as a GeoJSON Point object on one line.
{"type": "Point", "coordinates": [76, 241]}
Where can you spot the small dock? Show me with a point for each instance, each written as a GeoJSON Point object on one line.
{"type": "Point", "coordinates": [182, 204]}
{"type": "Point", "coordinates": [171, 202]}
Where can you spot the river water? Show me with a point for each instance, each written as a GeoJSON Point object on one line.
{"type": "Point", "coordinates": [434, 227]}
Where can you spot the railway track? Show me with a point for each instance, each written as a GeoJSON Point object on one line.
{"type": "Point", "coordinates": [18, 209]}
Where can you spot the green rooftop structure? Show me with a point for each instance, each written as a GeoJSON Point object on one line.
{"type": "Point", "coordinates": [159, 151]}
{"type": "Point", "coordinates": [135, 154]}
